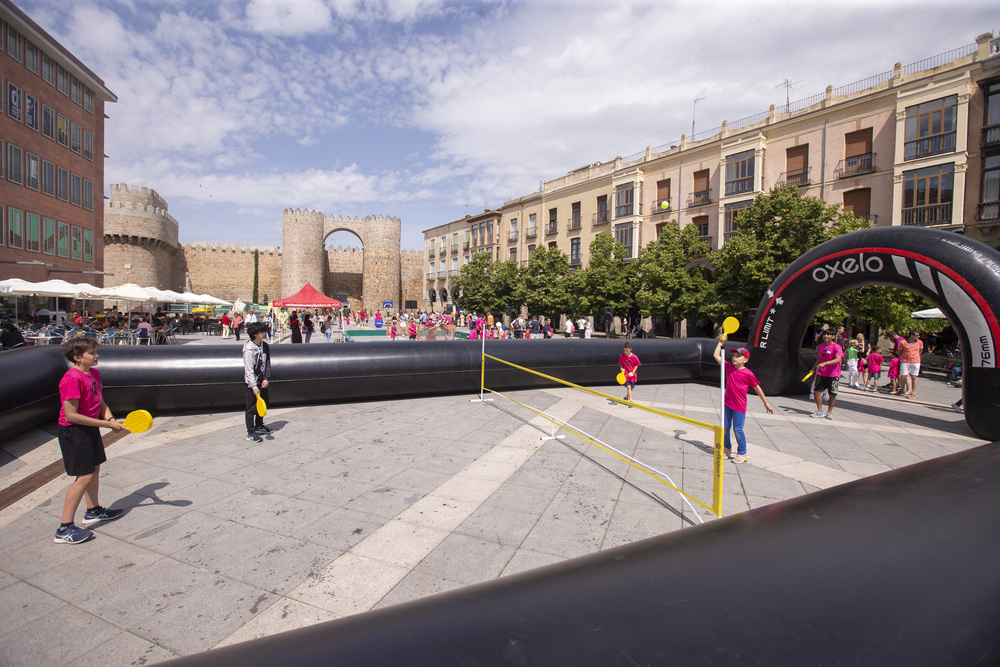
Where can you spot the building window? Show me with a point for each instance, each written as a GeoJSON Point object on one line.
{"type": "Point", "coordinates": [531, 251]}
{"type": "Point", "coordinates": [62, 239]}
{"type": "Point", "coordinates": [466, 240]}
{"type": "Point", "coordinates": [859, 202]}
{"type": "Point", "coordinates": [701, 222]}
{"type": "Point", "coordinates": [624, 199]}
{"type": "Point", "coordinates": [797, 165]}
{"type": "Point", "coordinates": [48, 122]}
{"type": "Point", "coordinates": [48, 70]}
{"type": "Point", "coordinates": [88, 100]}
{"type": "Point", "coordinates": [454, 242]}
{"type": "Point", "coordinates": [31, 112]}
{"type": "Point", "coordinates": [702, 193]}
{"type": "Point", "coordinates": [88, 245]}
{"type": "Point", "coordinates": [76, 242]}
{"type": "Point", "coordinates": [48, 236]}
{"type": "Point", "coordinates": [513, 229]}
{"type": "Point", "coordinates": [3, 235]}
{"type": "Point", "coordinates": [75, 90]}
{"type": "Point", "coordinates": [574, 252]}
{"type": "Point", "coordinates": [931, 127]}
{"type": "Point", "coordinates": [989, 209]}
{"type": "Point", "coordinates": [575, 216]}
{"type": "Point", "coordinates": [601, 216]}
{"type": "Point", "coordinates": [14, 43]}
{"type": "Point", "coordinates": [62, 184]}
{"type": "Point", "coordinates": [927, 195]}
{"type": "Point", "coordinates": [31, 171]}
{"type": "Point", "coordinates": [662, 196]}
{"type": "Point", "coordinates": [75, 138]}
{"type": "Point", "coordinates": [62, 130]}
{"type": "Point", "coordinates": [433, 241]}
{"type": "Point", "coordinates": [623, 234]}
{"type": "Point", "coordinates": [532, 225]}
{"type": "Point", "coordinates": [48, 178]}
{"type": "Point", "coordinates": [62, 81]}
{"type": "Point", "coordinates": [489, 234]}
{"type": "Point", "coordinates": [14, 104]}
{"type": "Point", "coordinates": [553, 244]}
{"type": "Point", "coordinates": [31, 57]}
{"type": "Point", "coordinates": [739, 173]}
{"type": "Point", "coordinates": [88, 195]}
{"type": "Point", "coordinates": [76, 190]}
{"type": "Point", "coordinates": [553, 225]}
{"type": "Point", "coordinates": [15, 234]}
{"type": "Point", "coordinates": [732, 212]}
{"type": "Point", "coordinates": [14, 173]}
{"type": "Point", "coordinates": [475, 235]}
{"type": "Point", "coordinates": [513, 254]}
{"type": "Point", "coordinates": [31, 232]}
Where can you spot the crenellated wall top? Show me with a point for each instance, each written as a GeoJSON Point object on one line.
{"type": "Point", "coordinates": [228, 248]}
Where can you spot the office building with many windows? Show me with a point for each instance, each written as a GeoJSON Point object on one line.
{"type": "Point", "coordinates": [915, 145]}
{"type": "Point", "coordinates": [51, 156]}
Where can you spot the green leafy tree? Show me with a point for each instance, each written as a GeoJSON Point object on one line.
{"type": "Point", "coordinates": [668, 280]}
{"type": "Point", "coordinates": [543, 282]}
{"type": "Point", "coordinates": [608, 279]}
{"type": "Point", "coordinates": [473, 284]}
{"type": "Point", "coordinates": [505, 280]}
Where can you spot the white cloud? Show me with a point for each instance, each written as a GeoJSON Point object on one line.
{"type": "Point", "coordinates": [289, 17]}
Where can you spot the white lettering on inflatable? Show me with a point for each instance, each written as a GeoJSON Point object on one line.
{"type": "Point", "coordinates": [851, 265]}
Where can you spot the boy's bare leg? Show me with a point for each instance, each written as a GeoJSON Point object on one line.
{"type": "Point", "coordinates": [74, 494]}
{"type": "Point", "coordinates": [818, 395]}
{"type": "Point", "coordinates": [90, 493]}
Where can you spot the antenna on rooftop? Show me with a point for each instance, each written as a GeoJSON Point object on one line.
{"type": "Point", "coordinates": [788, 86]}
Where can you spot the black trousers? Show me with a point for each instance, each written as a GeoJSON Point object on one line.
{"type": "Point", "coordinates": [253, 419]}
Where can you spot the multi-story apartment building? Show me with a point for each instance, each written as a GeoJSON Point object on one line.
{"type": "Point", "coordinates": [51, 156]}
{"type": "Point", "coordinates": [916, 145]}
{"type": "Point", "coordinates": [450, 246]}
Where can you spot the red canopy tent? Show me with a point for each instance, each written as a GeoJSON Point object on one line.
{"type": "Point", "coordinates": [307, 297]}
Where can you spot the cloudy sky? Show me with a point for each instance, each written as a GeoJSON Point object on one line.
{"type": "Point", "coordinates": [234, 110]}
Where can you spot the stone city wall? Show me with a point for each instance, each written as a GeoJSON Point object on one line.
{"type": "Point", "coordinates": [226, 271]}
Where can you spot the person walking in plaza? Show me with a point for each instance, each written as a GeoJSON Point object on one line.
{"type": "Point", "coordinates": [308, 326]}
{"type": "Point", "coordinates": [852, 363]}
{"type": "Point", "coordinates": [237, 324]}
{"type": "Point", "coordinates": [893, 373]}
{"type": "Point", "coordinates": [909, 363]}
{"type": "Point", "coordinates": [326, 328]}
{"type": "Point", "coordinates": [569, 327]}
{"type": "Point", "coordinates": [739, 380]}
{"type": "Point", "coordinates": [629, 365]}
{"type": "Point", "coordinates": [257, 377]}
{"type": "Point", "coordinates": [82, 412]}
{"type": "Point", "coordinates": [226, 324]}
{"type": "Point", "coordinates": [829, 359]}
{"type": "Point", "coordinates": [875, 361]}
{"type": "Point", "coordinates": [547, 328]}
{"type": "Point", "coordinates": [294, 325]}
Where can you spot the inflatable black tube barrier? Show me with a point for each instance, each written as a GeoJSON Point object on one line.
{"type": "Point", "coordinates": [959, 276]}
{"type": "Point", "coordinates": [894, 569]}
{"type": "Point", "coordinates": [176, 378]}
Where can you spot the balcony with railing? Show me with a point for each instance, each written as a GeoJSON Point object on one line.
{"type": "Point", "coordinates": [443, 251]}
{"type": "Point", "coordinates": [799, 177]}
{"type": "Point", "coordinates": [430, 275]}
{"type": "Point", "coordinates": [574, 259]}
{"type": "Point", "coordinates": [512, 235]}
{"type": "Point", "coordinates": [700, 197]}
{"type": "Point", "coordinates": [531, 233]}
{"type": "Point", "coordinates": [453, 272]}
{"type": "Point", "coordinates": [933, 145]}
{"type": "Point", "coordinates": [705, 238]}
{"type": "Point", "coordinates": [454, 247]}
{"type": "Point", "coordinates": [442, 274]}
{"type": "Point", "coordinates": [658, 206]}
{"type": "Point", "coordinates": [728, 235]}
{"type": "Point", "coordinates": [552, 227]}
{"type": "Point", "coordinates": [856, 165]}
{"type": "Point", "coordinates": [573, 222]}
{"type": "Point", "coordinates": [991, 136]}
{"type": "Point", "coordinates": [466, 247]}
{"type": "Point", "coordinates": [624, 210]}
{"type": "Point", "coordinates": [926, 216]}
{"type": "Point", "coordinates": [739, 186]}
{"type": "Point", "coordinates": [988, 212]}
{"type": "Point", "coordinates": [600, 218]}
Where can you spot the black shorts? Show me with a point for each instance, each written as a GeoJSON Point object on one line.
{"type": "Point", "coordinates": [82, 449]}
{"type": "Point", "coordinates": [831, 384]}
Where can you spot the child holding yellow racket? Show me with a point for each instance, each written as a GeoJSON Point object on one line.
{"type": "Point", "coordinates": [739, 381]}
{"type": "Point", "coordinates": [629, 364]}
{"type": "Point", "coordinates": [256, 375]}
{"type": "Point", "coordinates": [82, 412]}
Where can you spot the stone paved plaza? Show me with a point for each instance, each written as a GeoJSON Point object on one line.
{"type": "Point", "coordinates": [347, 508]}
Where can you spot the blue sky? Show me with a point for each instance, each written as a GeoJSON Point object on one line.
{"type": "Point", "coordinates": [234, 110]}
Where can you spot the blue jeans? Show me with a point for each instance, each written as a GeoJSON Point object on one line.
{"type": "Point", "coordinates": [735, 420]}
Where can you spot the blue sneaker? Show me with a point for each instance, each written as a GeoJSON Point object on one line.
{"type": "Point", "coordinates": [72, 535]}
{"type": "Point", "coordinates": [101, 514]}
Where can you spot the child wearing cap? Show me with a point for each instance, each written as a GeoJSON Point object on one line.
{"type": "Point", "coordinates": [739, 380]}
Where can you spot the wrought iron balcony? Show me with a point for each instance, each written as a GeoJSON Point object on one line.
{"type": "Point", "coordinates": [573, 222]}
{"type": "Point", "coordinates": [444, 251]}
{"type": "Point", "coordinates": [799, 178]}
{"type": "Point", "coordinates": [856, 165]}
{"type": "Point", "coordinates": [574, 259]}
{"type": "Point", "coordinates": [531, 233]}
{"type": "Point", "coordinates": [700, 198]}
{"type": "Point", "coordinates": [988, 212]}
{"type": "Point", "coordinates": [453, 272]}
{"type": "Point", "coordinates": [512, 235]}
{"type": "Point", "coordinates": [442, 274]}
{"type": "Point", "coordinates": [430, 275]}
{"type": "Point", "coordinates": [739, 186]}
{"type": "Point", "coordinates": [624, 211]}
{"type": "Point", "coordinates": [991, 135]}
{"type": "Point", "coordinates": [658, 206]}
{"type": "Point", "coordinates": [933, 145]}
{"type": "Point", "coordinates": [466, 246]}
{"type": "Point", "coordinates": [726, 236]}
{"type": "Point", "coordinates": [552, 227]}
{"type": "Point", "coordinates": [925, 216]}
{"type": "Point", "coordinates": [705, 238]}
{"type": "Point", "coordinates": [454, 247]}
{"type": "Point", "coordinates": [600, 218]}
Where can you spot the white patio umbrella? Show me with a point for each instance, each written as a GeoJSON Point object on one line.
{"type": "Point", "coordinates": [16, 287]}
{"type": "Point", "coordinates": [128, 293]}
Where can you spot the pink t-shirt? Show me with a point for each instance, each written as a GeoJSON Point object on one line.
{"type": "Point", "coordinates": [909, 352]}
{"type": "Point", "coordinates": [828, 352]}
{"type": "Point", "coordinates": [738, 384]}
{"type": "Point", "coordinates": [894, 368]}
{"type": "Point", "coordinates": [630, 363]}
{"type": "Point", "coordinates": [875, 361]}
{"type": "Point", "coordinates": [86, 389]}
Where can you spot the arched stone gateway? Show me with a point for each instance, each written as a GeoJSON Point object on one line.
{"type": "Point", "coordinates": [959, 276]}
{"type": "Point", "coordinates": [303, 234]}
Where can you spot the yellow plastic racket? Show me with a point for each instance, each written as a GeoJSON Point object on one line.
{"type": "Point", "coordinates": [808, 375]}
{"type": "Point", "coordinates": [138, 421]}
{"type": "Point", "coordinates": [261, 406]}
{"type": "Point", "coordinates": [621, 378]}
{"type": "Point", "coordinates": [730, 325]}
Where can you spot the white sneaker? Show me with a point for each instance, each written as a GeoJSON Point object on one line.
{"type": "Point", "coordinates": [818, 414]}
{"type": "Point", "coordinates": [829, 415]}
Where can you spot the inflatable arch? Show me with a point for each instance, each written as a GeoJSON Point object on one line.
{"type": "Point", "coordinates": [959, 276]}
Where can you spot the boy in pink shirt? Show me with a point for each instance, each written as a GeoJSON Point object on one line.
{"type": "Point", "coordinates": [82, 412]}
{"type": "Point", "coordinates": [875, 361]}
{"type": "Point", "coordinates": [739, 380]}
{"type": "Point", "coordinates": [894, 373]}
{"type": "Point", "coordinates": [629, 364]}
{"type": "Point", "coordinates": [829, 358]}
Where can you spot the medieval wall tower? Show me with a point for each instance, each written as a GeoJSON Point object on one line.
{"type": "Point", "coordinates": [139, 231]}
